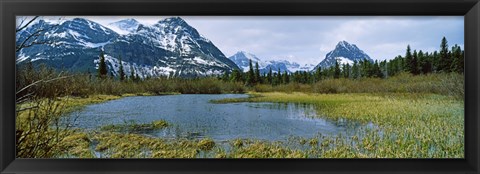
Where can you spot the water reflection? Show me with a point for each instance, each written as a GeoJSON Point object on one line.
{"type": "Point", "coordinates": [193, 116]}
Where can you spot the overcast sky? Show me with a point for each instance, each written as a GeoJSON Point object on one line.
{"type": "Point", "coordinates": [308, 39]}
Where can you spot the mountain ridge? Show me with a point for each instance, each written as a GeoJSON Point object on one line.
{"type": "Point", "coordinates": [344, 53]}
{"type": "Point", "coordinates": [170, 47]}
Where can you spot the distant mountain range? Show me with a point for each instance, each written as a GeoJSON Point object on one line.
{"type": "Point", "coordinates": [170, 47]}
{"type": "Point", "coordinates": [344, 53]}
{"type": "Point", "coordinates": [242, 58]}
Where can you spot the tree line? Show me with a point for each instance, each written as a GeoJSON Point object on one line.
{"type": "Point", "coordinates": [417, 62]}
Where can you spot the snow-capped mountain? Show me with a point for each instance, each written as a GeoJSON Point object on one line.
{"type": "Point", "coordinates": [125, 26]}
{"type": "Point", "coordinates": [344, 53]}
{"type": "Point", "coordinates": [243, 58]}
{"type": "Point", "coordinates": [170, 47]}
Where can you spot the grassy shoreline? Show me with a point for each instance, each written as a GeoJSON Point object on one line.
{"type": "Point", "coordinates": [411, 126]}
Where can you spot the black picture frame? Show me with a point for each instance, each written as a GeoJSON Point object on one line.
{"type": "Point", "coordinates": [470, 9]}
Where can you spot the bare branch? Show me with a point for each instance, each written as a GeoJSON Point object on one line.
{"type": "Point", "coordinates": [26, 25]}
{"type": "Point", "coordinates": [28, 86]}
{"type": "Point", "coordinates": [42, 81]}
{"type": "Point", "coordinates": [35, 35]}
{"type": "Point", "coordinates": [33, 38]}
{"type": "Point", "coordinates": [24, 98]}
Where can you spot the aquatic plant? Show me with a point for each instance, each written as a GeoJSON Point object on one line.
{"type": "Point", "coordinates": [135, 127]}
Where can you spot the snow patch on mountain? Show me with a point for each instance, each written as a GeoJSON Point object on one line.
{"type": "Point", "coordinates": [344, 53]}
{"type": "Point", "coordinates": [21, 57]}
{"type": "Point", "coordinates": [344, 61]}
{"type": "Point", "coordinates": [95, 45]}
{"type": "Point", "coordinates": [142, 71]}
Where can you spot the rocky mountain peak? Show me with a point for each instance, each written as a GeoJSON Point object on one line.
{"type": "Point", "coordinates": [344, 53]}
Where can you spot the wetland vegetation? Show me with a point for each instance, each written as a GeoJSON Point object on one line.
{"type": "Point", "coordinates": [413, 116]}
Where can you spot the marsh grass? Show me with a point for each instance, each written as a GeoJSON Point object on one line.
{"type": "Point", "coordinates": [130, 127]}
{"type": "Point", "coordinates": [417, 125]}
{"type": "Point", "coordinates": [128, 145]}
{"type": "Point", "coordinates": [408, 125]}
{"type": "Point", "coordinates": [417, 117]}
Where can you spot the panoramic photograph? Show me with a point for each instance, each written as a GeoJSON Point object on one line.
{"type": "Point", "coordinates": [239, 87]}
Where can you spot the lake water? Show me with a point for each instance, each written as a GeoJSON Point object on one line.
{"type": "Point", "coordinates": [193, 116]}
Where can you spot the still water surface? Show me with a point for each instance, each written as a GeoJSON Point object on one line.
{"type": "Point", "coordinates": [194, 116]}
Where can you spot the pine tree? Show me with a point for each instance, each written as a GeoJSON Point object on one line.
{"type": "Point", "coordinates": [137, 77]}
{"type": "Point", "coordinates": [355, 70]}
{"type": "Point", "coordinates": [318, 74]}
{"type": "Point", "coordinates": [275, 78]}
{"type": "Point", "coordinates": [337, 70]}
{"type": "Point", "coordinates": [305, 77]}
{"type": "Point", "coordinates": [279, 77]}
{"type": "Point", "coordinates": [444, 62]}
{"type": "Point", "coordinates": [257, 74]}
{"type": "Point", "coordinates": [408, 66]}
{"type": "Point", "coordinates": [226, 76]}
{"type": "Point", "coordinates": [285, 78]}
{"type": "Point", "coordinates": [401, 64]}
{"type": "Point", "coordinates": [414, 63]}
{"type": "Point", "coordinates": [122, 73]}
{"type": "Point", "coordinates": [424, 62]}
{"type": "Point", "coordinates": [421, 62]}
{"type": "Point", "coordinates": [132, 73]}
{"type": "Point", "coordinates": [102, 66]}
{"type": "Point", "coordinates": [236, 76]}
{"type": "Point", "coordinates": [250, 75]}
{"type": "Point", "coordinates": [458, 60]}
{"type": "Point", "coordinates": [111, 76]}
{"type": "Point", "coordinates": [365, 70]}
{"type": "Point", "coordinates": [376, 72]}
{"type": "Point", "coordinates": [435, 62]}
{"type": "Point", "coordinates": [346, 70]}
{"type": "Point", "coordinates": [384, 68]}
{"type": "Point", "coordinates": [269, 76]}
